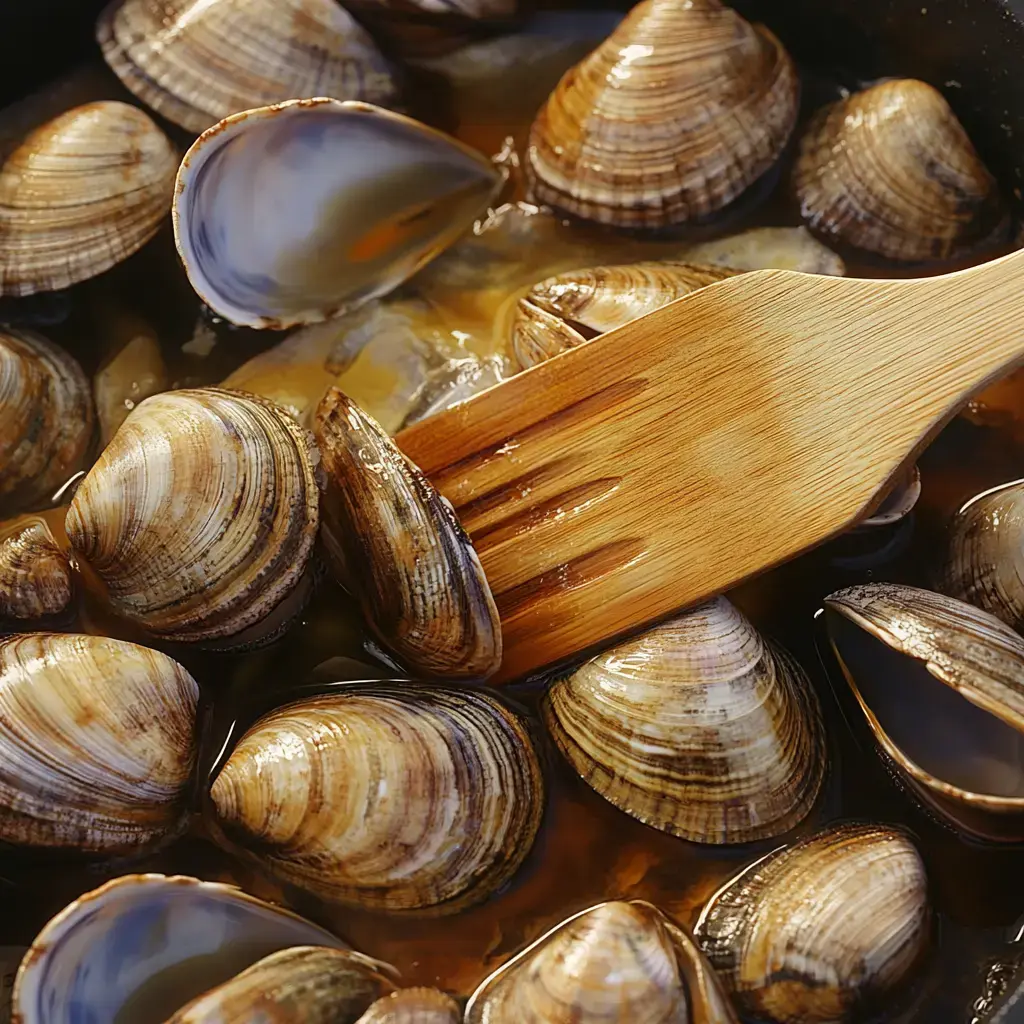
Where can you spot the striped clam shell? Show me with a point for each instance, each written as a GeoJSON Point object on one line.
{"type": "Point", "coordinates": [35, 574]}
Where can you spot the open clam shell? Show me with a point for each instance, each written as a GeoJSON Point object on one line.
{"type": "Point", "coordinates": [96, 740]}
{"type": "Point", "coordinates": [139, 947]}
{"type": "Point", "coordinates": [394, 796]}
{"type": "Point", "coordinates": [821, 930]}
{"type": "Point", "coordinates": [81, 193]}
{"type": "Point", "coordinates": [200, 517]}
{"type": "Point", "coordinates": [35, 574]}
{"type": "Point", "coordinates": [397, 544]}
{"type": "Point", "coordinates": [698, 727]}
{"type": "Point", "coordinates": [941, 685]}
{"type": "Point", "coordinates": [292, 213]}
{"type": "Point", "coordinates": [677, 113]}
{"type": "Point", "coordinates": [891, 170]}
{"type": "Point", "coordinates": [413, 1006]}
{"type": "Point", "coordinates": [617, 961]}
{"type": "Point", "coordinates": [197, 61]}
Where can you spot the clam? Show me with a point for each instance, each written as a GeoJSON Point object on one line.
{"type": "Point", "coordinates": [141, 946]}
{"type": "Point", "coordinates": [292, 213]}
{"type": "Point", "coordinates": [823, 930]}
{"type": "Point", "coordinates": [200, 517]}
{"type": "Point", "coordinates": [46, 419]}
{"type": "Point", "coordinates": [391, 795]}
{"type": "Point", "coordinates": [891, 170]}
{"type": "Point", "coordinates": [698, 727]}
{"type": "Point", "coordinates": [566, 310]}
{"type": "Point", "coordinates": [81, 193]}
{"type": "Point", "coordinates": [675, 115]}
{"type": "Point", "coordinates": [984, 557]}
{"type": "Point", "coordinates": [96, 741]}
{"type": "Point", "coordinates": [617, 961]}
{"type": "Point", "coordinates": [397, 544]}
{"type": "Point", "coordinates": [941, 684]}
{"type": "Point", "coordinates": [768, 249]}
{"type": "Point", "coordinates": [197, 61]}
{"type": "Point", "coordinates": [413, 1006]}
{"type": "Point", "coordinates": [35, 574]}
{"type": "Point", "coordinates": [301, 985]}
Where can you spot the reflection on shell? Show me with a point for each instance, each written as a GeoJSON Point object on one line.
{"type": "Point", "coordinates": [96, 742]}
{"type": "Point", "coordinates": [617, 961]}
{"type": "Point", "coordinates": [413, 1006]}
{"type": "Point", "coordinates": [46, 419]}
{"type": "Point", "coordinates": [393, 796]}
{"type": "Point", "coordinates": [35, 575]}
{"type": "Point", "coordinates": [197, 61]}
{"type": "Point", "coordinates": [200, 517]}
{"type": "Point", "coordinates": [80, 194]}
{"type": "Point", "coordinates": [697, 727]}
{"type": "Point", "coordinates": [823, 929]}
{"type": "Point", "coordinates": [678, 112]}
{"type": "Point", "coordinates": [891, 170]}
{"type": "Point", "coordinates": [302, 985]}
{"type": "Point", "coordinates": [397, 544]}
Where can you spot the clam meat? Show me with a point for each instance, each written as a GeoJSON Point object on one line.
{"type": "Point", "coordinates": [36, 578]}
{"type": "Point", "coordinates": [97, 742]}
{"type": "Point", "coordinates": [617, 961]}
{"type": "Point", "coordinates": [698, 727]}
{"type": "Point", "coordinates": [823, 930]}
{"type": "Point", "coordinates": [413, 1006]}
{"type": "Point", "coordinates": [767, 249]}
{"type": "Point", "coordinates": [393, 795]}
{"type": "Point", "coordinates": [941, 685]}
{"type": "Point", "coordinates": [397, 544]}
{"type": "Point", "coordinates": [200, 518]}
{"type": "Point", "coordinates": [675, 115]}
{"type": "Point", "coordinates": [892, 171]}
{"type": "Point", "coordinates": [197, 61]}
{"type": "Point", "coordinates": [293, 213]}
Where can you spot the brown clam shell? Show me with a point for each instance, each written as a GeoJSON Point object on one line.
{"type": "Point", "coordinates": [413, 1006]}
{"type": "Point", "coordinates": [677, 113]}
{"type": "Point", "coordinates": [892, 171]}
{"type": "Point", "coordinates": [35, 574]}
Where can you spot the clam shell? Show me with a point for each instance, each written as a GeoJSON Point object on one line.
{"type": "Point", "coordinates": [302, 985]}
{"type": "Point", "coordinates": [46, 419]}
{"type": "Point", "coordinates": [413, 1006]}
{"type": "Point", "coordinates": [615, 962]}
{"type": "Point", "coordinates": [678, 112]}
{"type": "Point", "coordinates": [565, 310]}
{"type": "Point", "coordinates": [823, 929]}
{"type": "Point", "coordinates": [35, 575]}
{"type": "Point", "coordinates": [941, 684]}
{"type": "Point", "coordinates": [394, 541]}
{"type": "Point", "coordinates": [96, 742]}
{"type": "Point", "coordinates": [81, 193]}
{"type": "Point", "coordinates": [891, 170]}
{"type": "Point", "coordinates": [197, 61]}
{"type": "Point", "coordinates": [140, 946]}
{"type": "Point", "coordinates": [697, 727]}
{"type": "Point", "coordinates": [200, 517]}
{"type": "Point", "coordinates": [394, 796]}
{"type": "Point", "coordinates": [984, 557]}
{"type": "Point", "coordinates": [293, 213]}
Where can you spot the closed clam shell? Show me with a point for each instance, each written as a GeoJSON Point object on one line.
{"type": "Point", "coordinates": [617, 961]}
{"type": "Point", "coordinates": [200, 517]}
{"type": "Point", "coordinates": [197, 61]}
{"type": "Point", "coordinates": [96, 740]}
{"type": "Point", "coordinates": [698, 727]}
{"type": "Point", "coordinates": [822, 930]}
{"type": "Point", "coordinates": [393, 796]}
{"type": "Point", "coordinates": [139, 947]}
{"type": "Point", "coordinates": [891, 170]}
{"type": "Point", "coordinates": [46, 419]}
{"type": "Point", "coordinates": [295, 212]}
{"type": "Point", "coordinates": [81, 193]}
{"type": "Point", "coordinates": [301, 985]}
{"type": "Point", "coordinates": [35, 575]}
{"type": "Point", "coordinates": [941, 686]}
{"type": "Point", "coordinates": [984, 558]}
{"type": "Point", "coordinates": [677, 113]}
{"type": "Point", "coordinates": [563, 311]}
{"type": "Point", "coordinates": [413, 1006]}
{"type": "Point", "coordinates": [398, 545]}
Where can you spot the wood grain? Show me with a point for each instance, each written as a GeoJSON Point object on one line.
{"type": "Point", "coordinates": [672, 458]}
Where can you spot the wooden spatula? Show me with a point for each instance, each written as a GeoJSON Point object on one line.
{"type": "Point", "coordinates": [666, 461]}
